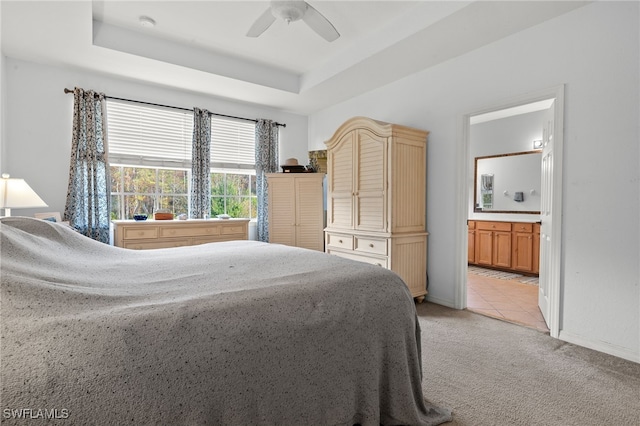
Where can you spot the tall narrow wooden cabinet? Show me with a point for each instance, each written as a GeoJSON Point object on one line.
{"type": "Point", "coordinates": [376, 198]}
{"type": "Point", "coordinates": [296, 214]}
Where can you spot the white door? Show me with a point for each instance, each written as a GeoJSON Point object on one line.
{"type": "Point", "coordinates": [546, 208]}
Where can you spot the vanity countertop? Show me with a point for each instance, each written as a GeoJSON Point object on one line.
{"type": "Point", "coordinates": [510, 221]}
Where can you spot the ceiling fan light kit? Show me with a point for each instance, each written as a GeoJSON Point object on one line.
{"type": "Point", "coordinates": [288, 11]}
{"type": "Point", "coordinates": [291, 11]}
{"type": "Point", "coordinates": [146, 21]}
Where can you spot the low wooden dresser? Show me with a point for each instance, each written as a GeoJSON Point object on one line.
{"type": "Point", "coordinates": [154, 234]}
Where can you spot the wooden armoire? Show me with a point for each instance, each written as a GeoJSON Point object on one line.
{"type": "Point", "coordinates": [376, 198]}
{"type": "Point", "coordinates": [296, 213]}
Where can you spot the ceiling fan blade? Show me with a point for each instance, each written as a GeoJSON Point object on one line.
{"type": "Point", "coordinates": [262, 23]}
{"type": "Point", "coordinates": [320, 24]}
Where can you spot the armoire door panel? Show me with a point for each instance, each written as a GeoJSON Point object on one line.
{"type": "Point", "coordinates": [341, 172]}
{"type": "Point", "coordinates": [340, 181]}
{"type": "Point", "coordinates": [340, 214]}
{"type": "Point", "coordinates": [371, 158]}
{"type": "Point", "coordinates": [371, 182]}
{"type": "Point", "coordinates": [309, 218]}
{"type": "Point", "coordinates": [370, 213]}
{"type": "Point", "coordinates": [282, 212]}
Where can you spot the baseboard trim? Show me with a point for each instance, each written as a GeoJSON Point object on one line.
{"type": "Point", "coordinates": [569, 337]}
{"type": "Point", "coordinates": [443, 302]}
{"type": "Point", "coordinates": [604, 347]}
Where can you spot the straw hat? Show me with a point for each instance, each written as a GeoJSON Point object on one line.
{"type": "Point", "coordinates": [291, 162]}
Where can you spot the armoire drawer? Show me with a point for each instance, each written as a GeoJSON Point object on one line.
{"type": "Point", "coordinates": [371, 245]}
{"type": "Point", "coordinates": [340, 241]}
{"type": "Point", "coordinates": [379, 261]}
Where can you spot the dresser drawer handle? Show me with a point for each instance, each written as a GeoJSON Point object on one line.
{"type": "Point", "coordinates": [340, 241]}
{"type": "Point", "coordinates": [371, 245]}
{"type": "Point", "coordinates": [379, 264]}
{"type": "Point", "coordinates": [141, 233]}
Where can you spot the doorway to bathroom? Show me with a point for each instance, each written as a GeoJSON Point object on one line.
{"type": "Point", "coordinates": [531, 123]}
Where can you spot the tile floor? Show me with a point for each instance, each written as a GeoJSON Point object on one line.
{"type": "Point", "coordinates": [508, 300]}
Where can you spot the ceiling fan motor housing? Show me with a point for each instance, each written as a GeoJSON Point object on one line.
{"type": "Point", "coordinates": [290, 11]}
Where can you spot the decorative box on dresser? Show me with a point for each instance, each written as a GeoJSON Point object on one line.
{"type": "Point", "coordinates": [296, 213]}
{"type": "Point", "coordinates": [154, 234]}
{"type": "Point", "coordinates": [376, 198]}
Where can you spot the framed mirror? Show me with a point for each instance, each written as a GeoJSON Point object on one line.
{"type": "Point", "coordinates": [508, 183]}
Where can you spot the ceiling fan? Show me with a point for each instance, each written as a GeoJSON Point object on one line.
{"type": "Point", "coordinates": [291, 11]}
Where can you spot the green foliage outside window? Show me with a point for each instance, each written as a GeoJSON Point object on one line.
{"type": "Point", "coordinates": [136, 190]}
{"type": "Point", "coordinates": [233, 194]}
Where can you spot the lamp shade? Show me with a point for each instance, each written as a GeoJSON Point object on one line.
{"type": "Point", "coordinates": [17, 194]}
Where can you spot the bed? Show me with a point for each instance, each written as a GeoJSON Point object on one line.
{"type": "Point", "coordinates": [231, 333]}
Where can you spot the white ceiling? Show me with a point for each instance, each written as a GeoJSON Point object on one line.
{"type": "Point", "coordinates": [201, 46]}
{"type": "Point", "coordinates": [510, 112]}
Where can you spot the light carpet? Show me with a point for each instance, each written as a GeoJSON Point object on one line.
{"type": "Point", "coordinates": [490, 372]}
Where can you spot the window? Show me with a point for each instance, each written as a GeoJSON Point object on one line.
{"type": "Point", "coordinates": [143, 135]}
{"type": "Point", "coordinates": [234, 194]}
{"type": "Point", "coordinates": [136, 190]}
{"type": "Point", "coordinates": [150, 157]}
{"type": "Point", "coordinates": [232, 144]}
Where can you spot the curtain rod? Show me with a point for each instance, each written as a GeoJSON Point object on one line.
{"type": "Point", "coordinates": [180, 108]}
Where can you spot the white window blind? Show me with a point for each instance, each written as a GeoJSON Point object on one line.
{"type": "Point", "coordinates": [232, 143]}
{"type": "Point", "coordinates": [146, 135]}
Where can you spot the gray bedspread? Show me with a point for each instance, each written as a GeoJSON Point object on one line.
{"type": "Point", "coordinates": [232, 333]}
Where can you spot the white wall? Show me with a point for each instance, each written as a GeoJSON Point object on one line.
{"type": "Point", "coordinates": [506, 135]}
{"type": "Point", "coordinates": [39, 120]}
{"type": "Point", "coordinates": [594, 50]}
{"type": "Point", "coordinates": [2, 99]}
{"type": "Point", "coordinates": [2, 110]}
